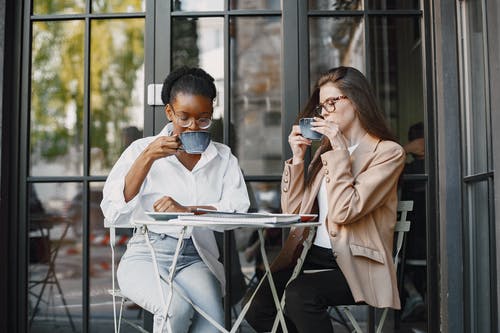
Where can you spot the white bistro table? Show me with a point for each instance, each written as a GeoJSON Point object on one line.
{"type": "Point", "coordinates": [202, 221]}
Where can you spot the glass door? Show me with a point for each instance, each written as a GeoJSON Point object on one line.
{"type": "Point", "coordinates": [478, 225]}
{"type": "Point", "coordinates": [84, 88]}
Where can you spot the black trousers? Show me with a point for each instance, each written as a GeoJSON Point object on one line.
{"type": "Point", "coordinates": [307, 297]}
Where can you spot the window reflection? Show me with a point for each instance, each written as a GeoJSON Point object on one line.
{"type": "Point", "coordinates": [118, 6]}
{"type": "Point", "coordinates": [479, 203]}
{"type": "Point", "coordinates": [335, 4]}
{"type": "Point", "coordinates": [256, 93]}
{"type": "Point", "coordinates": [393, 4]}
{"type": "Point", "coordinates": [335, 42]}
{"type": "Point", "coordinates": [55, 258]}
{"type": "Point", "coordinates": [44, 7]}
{"type": "Point", "coordinates": [479, 231]}
{"type": "Point", "coordinates": [56, 128]}
{"type": "Point", "coordinates": [196, 5]}
{"type": "Point", "coordinates": [255, 4]}
{"type": "Point", "coordinates": [475, 81]}
{"type": "Point", "coordinates": [117, 89]}
{"type": "Point", "coordinates": [396, 69]}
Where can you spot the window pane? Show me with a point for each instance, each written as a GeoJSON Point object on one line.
{"type": "Point", "coordinates": [335, 42]}
{"type": "Point", "coordinates": [252, 4]}
{"type": "Point", "coordinates": [395, 62]}
{"type": "Point", "coordinates": [256, 94]}
{"type": "Point", "coordinates": [56, 128]}
{"type": "Point", "coordinates": [335, 4]}
{"type": "Point", "coordinates": [55, 258]}
{"type": "Point", "coordinates": [393, 4]}
{"type": "Point", "coordinates": [196, 5]}
{"type": "Point", "coordinates": [44, 7]}
{"type": "Point", "coordinates": [118, 6]}
{"type": "Point", "coordinates": [199, 43]}
{"type": "Point", "coordinates": [116, 89]}
{"type": "Point", "coordinates": [479, 269]}
{"type": "Point", "coordinates": [476, 85]}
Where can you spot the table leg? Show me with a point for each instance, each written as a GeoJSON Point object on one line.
{"type": "Point", "coordinates": [276, 299]}
{"type": "Point", "coordinates": [227, 273]}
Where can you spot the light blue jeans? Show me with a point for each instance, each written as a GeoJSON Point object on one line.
{"type": "Point", "coordinates": [138, 282]}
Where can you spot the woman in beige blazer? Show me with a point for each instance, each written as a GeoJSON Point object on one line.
{"type": "Point", "coordinates": [351, 183]}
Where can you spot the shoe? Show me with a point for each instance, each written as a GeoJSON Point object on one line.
{"type": "Point", "coordinates": [414, 309]}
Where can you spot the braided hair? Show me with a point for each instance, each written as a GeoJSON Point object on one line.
{"type": "Point", "coordinates": [187, 80]}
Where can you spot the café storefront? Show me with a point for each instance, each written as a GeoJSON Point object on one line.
{"type": "Point", "coordinates": [80, 80]}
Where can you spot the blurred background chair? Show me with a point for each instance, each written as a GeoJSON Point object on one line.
{"type": "Point", "coordinates": [43, 252]}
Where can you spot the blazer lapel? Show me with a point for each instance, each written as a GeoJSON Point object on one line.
{"type": "Point", "coordinates": [310, 193]}
{"type": "Point", "coordinates": [362, 154]}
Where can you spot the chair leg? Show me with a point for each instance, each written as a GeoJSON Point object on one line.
{"type": "Point", "coordinates": [121, 313]}
{"type": "Point", "coordinates": [341, 319]}
{"type": "Point", "coordinates": [382, 320]}
{"type": "Point", "coordinates": [351, 318]}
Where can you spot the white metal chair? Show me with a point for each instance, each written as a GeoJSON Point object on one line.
{"type": "Point", "coordinates": [114, 291]}
{"type": "Point", "coordinates": [402, 226]}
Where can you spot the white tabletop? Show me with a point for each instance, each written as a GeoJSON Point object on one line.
{"type": "Point", "coordinates": [228, 225]}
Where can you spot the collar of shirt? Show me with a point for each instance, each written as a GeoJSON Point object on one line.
{"type": "Point", "coordinates": [352, 148]}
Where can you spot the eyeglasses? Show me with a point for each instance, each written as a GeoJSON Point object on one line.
{"type": "Point", "coordinates": [186, 122]}
{"type": "Point", "coordinates": [329, 104]}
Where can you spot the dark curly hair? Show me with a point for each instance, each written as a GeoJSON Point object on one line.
{"type": "Point", "coordinates": [187, 80]}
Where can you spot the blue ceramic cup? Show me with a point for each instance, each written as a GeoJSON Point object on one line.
{"type": "Point", "coordinates": [195, 142]}
{"type": "Point", "coordinates": [306, 131]}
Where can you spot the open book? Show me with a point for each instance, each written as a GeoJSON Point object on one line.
{"type": "Point", "coordinates": [237, 218]}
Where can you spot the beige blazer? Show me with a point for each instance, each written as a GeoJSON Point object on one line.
{"type": "Point", "coordinates": [362, 204]}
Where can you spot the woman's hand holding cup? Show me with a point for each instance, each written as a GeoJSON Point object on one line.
{"type": "Point", "coordinates": [298, 144]}
{"type": "Point", "coordinates": [331, 131]}
{"type": "Point", "coordinates": [163, 146]}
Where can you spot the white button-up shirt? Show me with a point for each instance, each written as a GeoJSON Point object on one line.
{"type": "Point", "coordinates": [216, 180]}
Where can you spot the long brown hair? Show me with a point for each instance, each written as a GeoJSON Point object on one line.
{"type": "Point", "coordinates": [352, 83]}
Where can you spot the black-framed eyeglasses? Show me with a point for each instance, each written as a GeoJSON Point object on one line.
{"type": "Point", "coordinates": [186, 122]}
{"type": "Point", "coordinates": [329, 104]}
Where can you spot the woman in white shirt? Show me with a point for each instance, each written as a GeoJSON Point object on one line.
{"type": "Point", "coordinates": [156, 174]}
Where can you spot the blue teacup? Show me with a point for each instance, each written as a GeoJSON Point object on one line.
{"type": "Point", "coordinates": [195, 142]}
{"type": "Point", "coordinates": [306, 131]}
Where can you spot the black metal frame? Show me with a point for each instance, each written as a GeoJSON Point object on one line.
{"type": "Point", "coordinates": [11, 286]}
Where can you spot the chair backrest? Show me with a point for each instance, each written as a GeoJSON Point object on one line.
{"type": "Point", "coordinates": [402, 226]}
